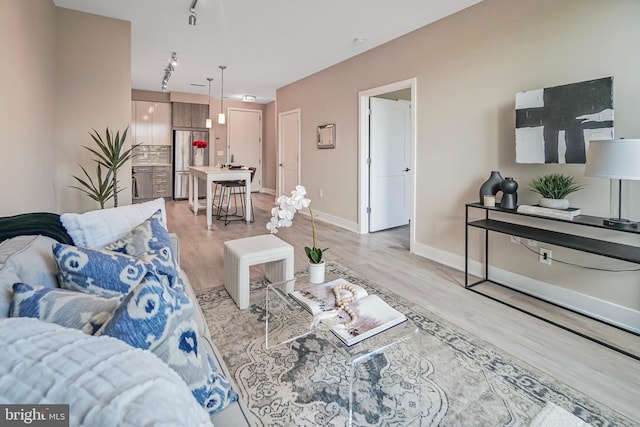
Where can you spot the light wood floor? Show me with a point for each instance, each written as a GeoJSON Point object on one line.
{"type": "Point", "coordinates": [607, 376]}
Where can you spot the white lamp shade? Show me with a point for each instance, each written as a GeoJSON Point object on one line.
{"type": "Point", "coordinates": [221, 119]}
{"type": "Point", "coordinates": [614, 159]}
{"type": "Point", "coordinates": [208, 123]}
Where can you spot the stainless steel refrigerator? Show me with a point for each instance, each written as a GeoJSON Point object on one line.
{"type": "Point", "coordinates": [183, 156]}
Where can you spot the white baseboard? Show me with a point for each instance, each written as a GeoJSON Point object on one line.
{"type": "Point", "coordinates": [271, 191]}
{"type": "Point", "coordinates": [330, 219]}
{"type": "Point", "coordinates": [609, 312]}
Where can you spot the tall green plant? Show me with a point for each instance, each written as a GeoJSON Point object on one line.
{"type": "Point", "coordinates": [111, 156]}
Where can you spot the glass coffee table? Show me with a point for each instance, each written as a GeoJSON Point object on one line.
{"type": "Point", "coordinates": [288, 322]}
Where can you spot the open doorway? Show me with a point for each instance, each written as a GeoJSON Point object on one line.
{"type": "Point", "coordinates": [387, 158]}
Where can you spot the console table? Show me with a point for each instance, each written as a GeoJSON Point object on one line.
{"type": "Point", "coordinates": [577, 242]}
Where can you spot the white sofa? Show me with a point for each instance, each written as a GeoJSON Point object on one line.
{"type": "Point", "coordinates": [26, 256]}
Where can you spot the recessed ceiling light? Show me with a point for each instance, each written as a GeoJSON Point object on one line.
{"type": "Point", "coordinates": [248, 98]}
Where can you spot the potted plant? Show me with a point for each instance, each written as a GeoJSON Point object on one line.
{"type": "Point", "coordinates": [553, 189]}
{"type": "Point", "coordinates": [282, 216]}
{"type": "Point", "coordinates": [111, 156]}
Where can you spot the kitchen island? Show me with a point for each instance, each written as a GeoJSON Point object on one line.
{"type": "Point", "coordinates": [208, 174]}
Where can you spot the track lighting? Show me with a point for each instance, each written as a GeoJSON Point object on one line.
{"type": "Point", "coordinates": [194, 15]}
{"type": "Point", "coordinates": [173, 62]}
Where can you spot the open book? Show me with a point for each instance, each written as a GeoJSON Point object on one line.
{"type": "Point", "coordinates": [373, 314]}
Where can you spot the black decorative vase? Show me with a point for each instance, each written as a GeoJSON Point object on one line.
{"type": "Point", "coordinates": [509, 195]}
{"type": "Point", "coordinates": [491, 186]}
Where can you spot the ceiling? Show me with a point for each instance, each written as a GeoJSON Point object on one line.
{"type": "Point", "coordinates": [265, 44]}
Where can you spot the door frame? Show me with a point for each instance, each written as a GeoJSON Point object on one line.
{"type": "Point", "coordinates": [280, 148]}
{"type": "Point", "coordinates": [255, 187]}
{"type": "Point", "coordinates": [363, 148]}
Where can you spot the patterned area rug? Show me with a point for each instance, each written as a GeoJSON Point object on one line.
{"type": "Point", "coordinates": [464, 381]}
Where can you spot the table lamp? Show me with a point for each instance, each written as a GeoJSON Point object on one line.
{"type": "Point", "coordinates": [615, 159]}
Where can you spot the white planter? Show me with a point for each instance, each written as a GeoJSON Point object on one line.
{"type": "Point", "coordinates": [554, 203]}
{"type": "Point", "coordinates": [316, 272]}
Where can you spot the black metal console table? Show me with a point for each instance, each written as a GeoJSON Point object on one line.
{"type": "Point", "coordinates": [604, 248]}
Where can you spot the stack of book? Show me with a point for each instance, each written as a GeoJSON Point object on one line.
{"type": "Point", "coordinates": [373, 314]}
{"type": "Point", "coordinates": [567, 214]}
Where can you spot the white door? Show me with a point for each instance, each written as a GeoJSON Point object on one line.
{"type": "Point", "coordinates": [389, 169]}
{"type": "Point", "coordinates": [245, 141]}
{"type": "Point", "coordinates": [289, 151]}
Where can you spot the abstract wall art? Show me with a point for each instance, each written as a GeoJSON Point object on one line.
{"type": "Point", "coordinates": [555, 124]}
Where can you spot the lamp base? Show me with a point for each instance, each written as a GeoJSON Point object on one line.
{"type": "Point", "coordinates": [620, 223]}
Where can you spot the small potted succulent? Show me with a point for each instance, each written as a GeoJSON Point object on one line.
{"type": "Point", "coordinates": [553, 189]}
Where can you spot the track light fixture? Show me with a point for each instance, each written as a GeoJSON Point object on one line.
{"type": "Point", "coordinates": [173, 62]}
{"type": "Point", "coordinates": [194, 15]}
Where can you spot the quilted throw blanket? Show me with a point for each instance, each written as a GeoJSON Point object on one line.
{"type": "Point", "coordinates": [104, 381]}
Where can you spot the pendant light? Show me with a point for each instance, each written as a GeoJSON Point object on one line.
{"type": "Point", "coordinates": [221, 118]}
{"type": "Point", "coordinates": [208, 123]}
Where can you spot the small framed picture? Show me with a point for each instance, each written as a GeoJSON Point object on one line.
{"type": "Point", "coordinates": [327, 136]}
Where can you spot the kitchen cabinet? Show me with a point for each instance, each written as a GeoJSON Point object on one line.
{"type": "Point", "coordinates": [151, 182]}
{"type": "Point", "coordinates": [187, 115]}
{"type": "Point", "coordinates": [162, 181]}
{"type": "Point", "coordinates": [161, 123]}
{"type": "Point", "coordinates": [152, 123]}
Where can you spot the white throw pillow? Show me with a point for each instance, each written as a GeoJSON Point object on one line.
{"type": "Point", "coordinates": [97, 228]}
{"type": "Point", "coordinates": [105, 381]}
{"type": "Point", "coordinates": [25, 259]}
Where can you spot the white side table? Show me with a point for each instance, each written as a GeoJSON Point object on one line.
{"type": "Point", "coordinates": [241, 254]}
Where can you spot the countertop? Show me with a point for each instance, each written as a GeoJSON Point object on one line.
{"type": "Point", "coordinates": [151, 164]}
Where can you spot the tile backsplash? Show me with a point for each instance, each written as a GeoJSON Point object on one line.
{"type": "Point", "coordinates": [152, 154]}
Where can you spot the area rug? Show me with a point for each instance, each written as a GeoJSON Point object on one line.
{"type": "Point", "coordinates": [463, 381]}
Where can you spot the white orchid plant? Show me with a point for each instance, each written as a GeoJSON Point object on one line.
{"type": "Point", "coordinates": [282, 216]}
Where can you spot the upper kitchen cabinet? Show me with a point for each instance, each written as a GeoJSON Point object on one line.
{"type": "Point", "coordinates": [162, 123]}
{"type": "Point", "coordinates": [152, 123]}
{"type": "Point", "coordinates": [199, 115]}
{"type": "Point", "coordinates": [187, 115]}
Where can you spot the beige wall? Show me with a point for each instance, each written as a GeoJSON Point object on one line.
{"type": "Point", "coordinates": [269, 148]}
{"type": "Point", "coordinates": [69, 72]}
{"type": "Point", "coordinates": [28, 146]}
{"type": "Point", "coordinates": [93, 92]}
{"type": "Point", "coordinates": [468, 68]}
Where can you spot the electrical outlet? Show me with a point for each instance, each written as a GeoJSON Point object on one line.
{"type": "Point", "coordinates": [320, 193]}
{"type": "Point", "coordinates": [515, 239]}
{"type": "Point", "coordinates": [545, 256]}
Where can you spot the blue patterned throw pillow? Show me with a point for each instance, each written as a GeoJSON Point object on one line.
{"type": "Point", "coordinates": [96, 271]}
{"type": "Point", "coordinates": [66, 308]}
{"type": "Point", "coordinates": [150, 242]}
{"type": "Point", "coordinates": [161, 319]}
